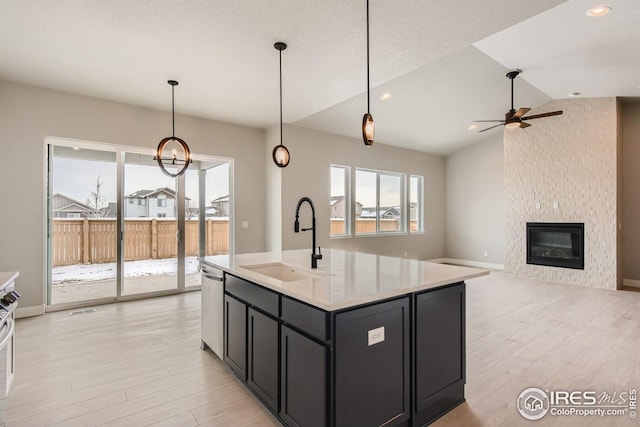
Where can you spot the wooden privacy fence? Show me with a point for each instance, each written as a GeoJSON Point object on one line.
{"type": "Point", "coordinates": [87, 241]}
{"type": "Point", "coordinates": [368, 225]}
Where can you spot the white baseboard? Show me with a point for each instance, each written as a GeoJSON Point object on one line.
{"type": "Point", "coordinates": [34, 310]}
{"type": "Point", "coordinates": [469, 263]}
{"type": "Point", "coordinates": [631, 283]}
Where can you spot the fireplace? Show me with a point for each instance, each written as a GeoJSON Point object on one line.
{"type": "Point", "coordinates": [556, 244]}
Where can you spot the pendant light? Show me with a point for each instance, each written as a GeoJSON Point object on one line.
{"type": "Point", "coordinates": [280, 152]}
{"type": "Point", "coordinates": [178, 161]}
{"type": "Point", "coordinates": [368, 127]}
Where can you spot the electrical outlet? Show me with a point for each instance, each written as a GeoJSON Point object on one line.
{"type": "Point", "coordinates": [405, 254]}
{"type": "Point", "coordinates": [537, 205]}
{"type": "Point", "coordinates": [555, 205]}
{"type": "Point", "coordinates": [486, 253]}
{"type": "Point", "coordinates": [376, 335]}
{"type": "Point", "coordinates": [245, 224]}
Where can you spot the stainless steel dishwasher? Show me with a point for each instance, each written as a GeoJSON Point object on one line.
{"type": "Point", "coordinates": [212, 300]}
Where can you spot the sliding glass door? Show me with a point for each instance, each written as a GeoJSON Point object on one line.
{"type": "Point", "coordinates": [119, 228]}
{"type": "Point", "coordinates": [82, 224]}
{"type": "Point", "coordinates": [150, 212]}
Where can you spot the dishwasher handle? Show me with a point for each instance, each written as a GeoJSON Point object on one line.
{"type": "Point", "coordinates": [210, 275]}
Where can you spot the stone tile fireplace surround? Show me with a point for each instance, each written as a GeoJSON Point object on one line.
{"type": "Point", "coordinates": [566, 169]}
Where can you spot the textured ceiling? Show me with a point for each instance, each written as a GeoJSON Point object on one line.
{"type": "Point", "coordinates": [222, 53]}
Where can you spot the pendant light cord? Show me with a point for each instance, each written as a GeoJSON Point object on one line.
{"type": "Point", "coordinates": [280, 96]}
{"type": "Point", "coordinates": [173, 113]}
{"type": "Point", "coordinates": [368, 84]}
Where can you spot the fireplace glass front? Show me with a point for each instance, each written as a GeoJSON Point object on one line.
{"type": "Point", "coordinates": [556, 244]}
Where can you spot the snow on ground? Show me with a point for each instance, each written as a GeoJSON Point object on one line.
{"type": "Point", "coordinates": [96, 272]}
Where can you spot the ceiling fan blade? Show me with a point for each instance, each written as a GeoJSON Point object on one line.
{"type": "Point", "coordinates": [524, 125]}
{"type": "Point", "coordinates": [521, 112]}
{"type": "Point", "coordinates": [488, 121]}
{"type": "Point", "coordinates": [484, 130]}
{"type": "Point", "coordinates": [538, 116]}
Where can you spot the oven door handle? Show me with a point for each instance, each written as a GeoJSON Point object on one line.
{"type": "Point", "coordinates": [7, 336]}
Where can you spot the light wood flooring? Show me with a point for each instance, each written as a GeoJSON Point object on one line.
{"type": "Point", "coordinates": [139, 363]}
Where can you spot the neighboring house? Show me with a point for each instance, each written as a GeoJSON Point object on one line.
{"type": "Point", "coordinates": [66, 207]}
{"type": "Point", "coordinates": [221, 206]}
{"type": "Point", "coordinates": [337, 205]}
{"type": "Point", "coordinates": [110, 211]}
{"type": "Point", "coordinates": [158, 203]}
{"type": "Point", "coordinates": [392, 212]}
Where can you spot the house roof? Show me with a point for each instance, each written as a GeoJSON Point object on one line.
{"type": "Point", "coordinates": [60, 202]}
{"type": "Point", "coordinates": [221, 199]}
{"type": "Point", "coordinates": [145, 194]}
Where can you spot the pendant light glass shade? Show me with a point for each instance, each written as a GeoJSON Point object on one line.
{"type": "Point", "coordinates": [173, 154]}
{"type": "Point", "coordinates": [368, 126]}
{"type": "Point", "coordinates": [368, 129]}
{"type": "Point", "coordinates": [280, 153]}
{"type": "Point", "coordinates": [280, 156]}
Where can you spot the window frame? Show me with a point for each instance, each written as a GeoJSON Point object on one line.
{"type": "Point", "coordinates": [349, 207]}
{"type": "Point", "coordinates": [404, 205]}
{"type": "Point", "coordinates": [420, 205]}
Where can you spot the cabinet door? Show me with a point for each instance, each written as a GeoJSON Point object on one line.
{"type": "Point", "coordinates": [373, 365]}
{"type": "Point", "coordinates": [263, 366]}
{"type": "Point", "coordinates": [304, 380]}
{"type": "Point", "coordinates": [439, 351]}
{"type": "Point", "coordinates": [235, 335]}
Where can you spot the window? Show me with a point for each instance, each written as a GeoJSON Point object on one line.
{"type": "Point", "coordinates": [142, 202]}
{"type": "Point", "coordinates": [162, 201]}
{"type": "Point", "coordinates": [340, 203]}
{"type": "Point", "coordinates": [382, 200]}
{"type": "Point", "coordinates": [416, 205]}
{"type": "Point", "coordinates": [130, 201]}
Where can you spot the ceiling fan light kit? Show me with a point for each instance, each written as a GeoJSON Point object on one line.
{"type": "Point", "coordinates": [514, 119]}
{"type": "Point", "coordinates": [177, 163]}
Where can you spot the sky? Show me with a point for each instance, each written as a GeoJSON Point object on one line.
{"type": "Point", "coordinates": [77, 179]}
{"type": "Point", "coordinates": [390, 187]}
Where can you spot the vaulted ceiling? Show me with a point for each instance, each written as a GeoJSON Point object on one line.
{"type": "Point", "coordinates": [443, 61]}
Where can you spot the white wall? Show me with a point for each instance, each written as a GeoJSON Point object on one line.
{"type": "Point", "coordinates": [308, 174]}
{"type": "Point", "coordinates": [27, 114]}
{"type": "Point", "coordinates": [631, 190]}
{"type": "Point", "coordinates": [475, 202]}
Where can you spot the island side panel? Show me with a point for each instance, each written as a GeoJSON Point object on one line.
{"type": "Point", "coordinates": [372, 365]}
{"type": "Point", "coordinates": [439, 363]}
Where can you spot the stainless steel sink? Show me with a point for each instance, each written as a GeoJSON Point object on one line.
{"type": "Point", "coordinates": [282, 272]}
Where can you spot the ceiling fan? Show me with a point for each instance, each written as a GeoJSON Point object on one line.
{"type": "Point", "coordinates": [513, 119]}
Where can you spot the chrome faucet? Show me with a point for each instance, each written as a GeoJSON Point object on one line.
{"type": "Point", "coordinates": [296, 227]}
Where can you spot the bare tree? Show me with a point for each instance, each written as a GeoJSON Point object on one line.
{"type": "Point", "coordinates": [191, 209]}
{"type": "Point", "coordinates": [97, 200]}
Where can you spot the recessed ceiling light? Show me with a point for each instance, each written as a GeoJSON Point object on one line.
{"type": "Point", "coordinates": [598, 11]}
{"type": "Point", "coordinates": [575, 94]}
{"type": "Point", "coordinates": [386, 96]}
{"type": "Point", "coordinates": [472, 127]}
{"type": "Point", "coordinates": [76, 148]}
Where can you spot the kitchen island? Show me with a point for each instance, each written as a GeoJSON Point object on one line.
{"type": "Point", "coordinates": [362, 340]}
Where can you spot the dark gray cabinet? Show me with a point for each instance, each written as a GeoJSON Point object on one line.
{"type": "Point", "coordinates": [439, 352]}
{"type": "Point", "coordinates": [372, 346]}
{"type": "Point", "coordinates": [262, 354]}
{"type": "Point", "coordinates": [235, 335]}
{"type": "Point", "coordinates": [398, 362]}
{"type": "Point", "coordinates": [304, 380]}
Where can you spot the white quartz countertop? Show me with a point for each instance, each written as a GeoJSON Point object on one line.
{"type": "Point", "coordinates": [345, 279]}
{"type": "Point", "coordinates": [6, 277]}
